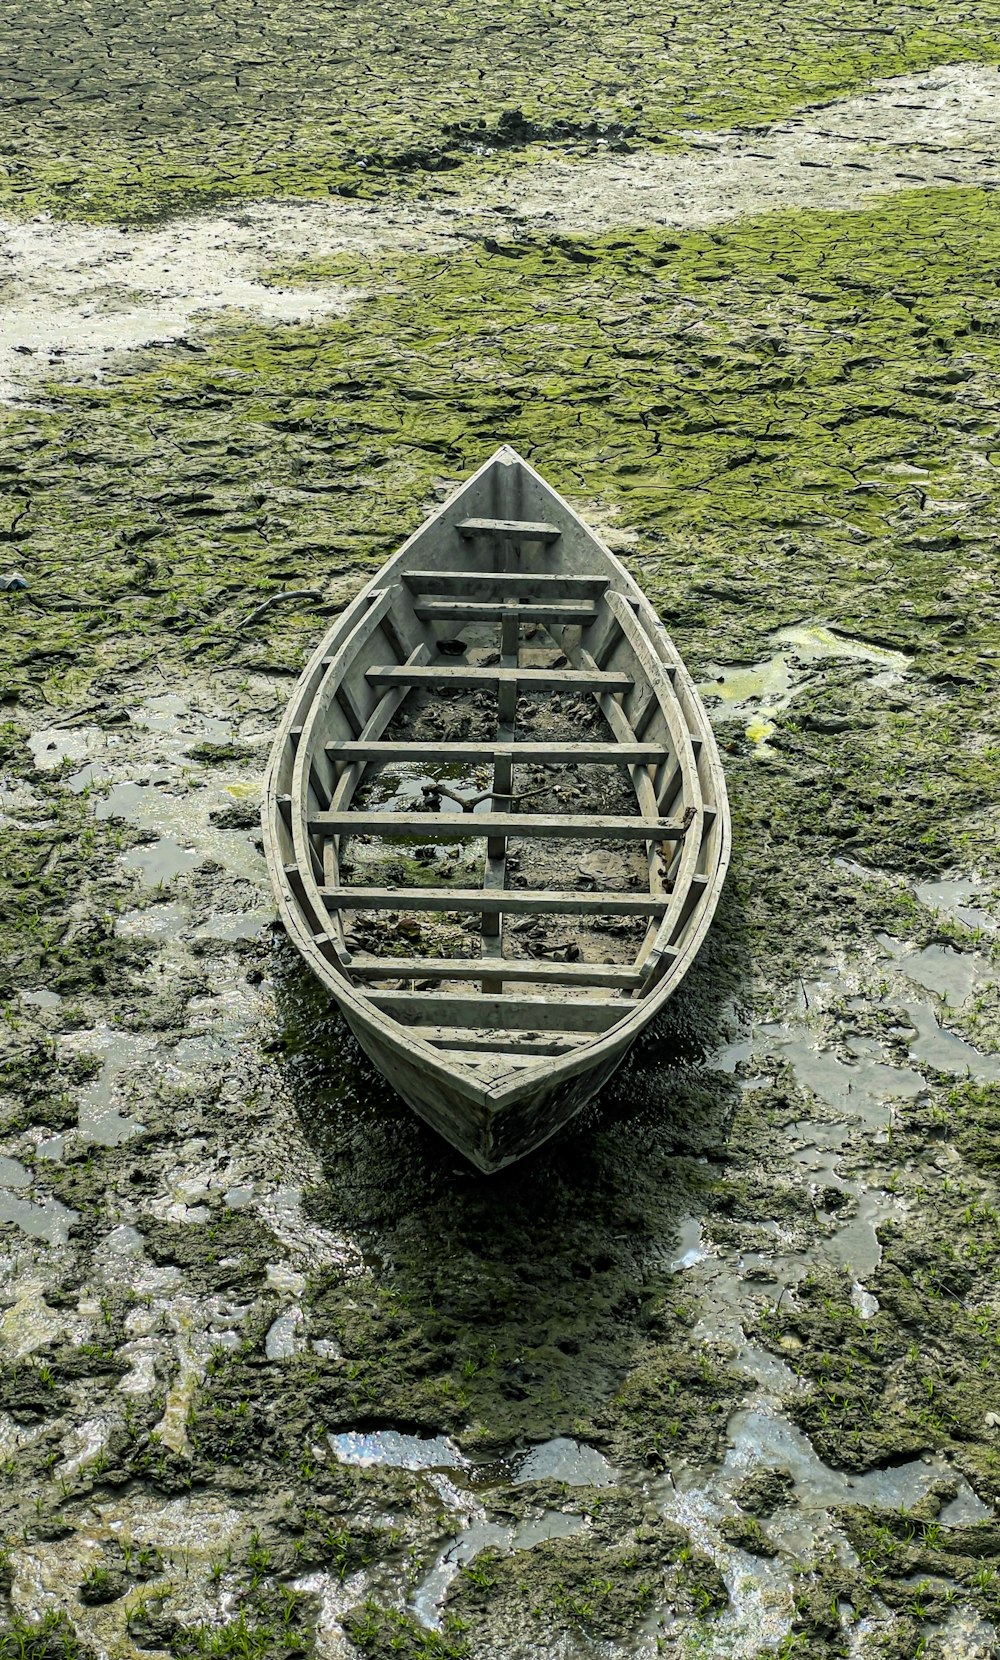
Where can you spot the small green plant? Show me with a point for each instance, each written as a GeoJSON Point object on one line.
{"type": "Point", "coordinates": [51, 1635]}
{"type": "Point", "coordinates": [258, 1560]}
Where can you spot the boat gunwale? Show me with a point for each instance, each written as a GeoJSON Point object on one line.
{"type": "Point", "coordinates": [505, 1091]}
{"type": "Point", "coordinates": [657, 938]}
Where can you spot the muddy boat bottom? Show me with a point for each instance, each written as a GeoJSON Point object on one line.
{"type": "Point", "coordinates": [530, 863]}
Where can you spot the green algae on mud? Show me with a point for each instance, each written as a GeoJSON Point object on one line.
{"type": "Point", "coordinates": [135, 114]}
{"type": "Point", "coordinates": [601, 1582]}
{"type": "Point", "coordinates": [49, 852]}
{"type": "Point", "coordinates": [922, 1373]}
{"type": "Point", "coordinates": [796, 417]}
{"type": "Point", "coordinates": [919, 1565]}
{"type": "Point", "coordinates": [380, 1633]}
{"type": "Point", "coordinates": [797, 412]}
{"type": "Point", "coordinates": [511, 1312]}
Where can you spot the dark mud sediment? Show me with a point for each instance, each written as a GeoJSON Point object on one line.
{"type": "Point", "coordinates": [717, 1372]}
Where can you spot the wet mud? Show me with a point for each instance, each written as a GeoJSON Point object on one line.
{"type": "Point", "coordinates": [418, 859]}
{"type": "Point", "coordinates": [718, 1371]}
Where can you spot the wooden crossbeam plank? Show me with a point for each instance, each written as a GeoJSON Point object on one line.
{"type": "Point", "coordinates": [470, 1041]}
{"type": "Point", "coordinates": [525, 530]}
{"type": "Point", "coordinates": [528, 585]}
{"type": "Point", "coordinates": [538, 680]}
{"type": "Point", "coordinates": [596, 754]}
{"type": "Point", "coordinates": [620, 976]}
{"type": "Point", "coordinates": [497, 1060]}
{"type": "Point", "coordinates": [434, 826]}
{"type": "Point", "coordinates": [469, 610]}
{"type": "Point", "coordinates": [520, 901]}
{"type": "Point", "coordinates": [524, 1014]}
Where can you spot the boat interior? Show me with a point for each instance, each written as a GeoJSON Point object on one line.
{"type": "Point", "coordinates": [497, 798]}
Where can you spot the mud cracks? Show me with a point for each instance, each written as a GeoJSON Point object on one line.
{"type": "Point", "coordinates": [718, 1373]}
{"type": "Point", "coordinates": [134, 115]}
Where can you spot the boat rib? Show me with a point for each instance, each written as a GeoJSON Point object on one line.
{"type": "Point", "coordinates": [449, 834]}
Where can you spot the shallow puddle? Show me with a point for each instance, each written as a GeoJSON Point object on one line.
{"type": "Point", "coordinates": [154, 922]}
{"type": "Point", "coordinates": [855, 1246]}
{"type": "Point", "coordinates": [760, 1439]}
{"type": "Point", "coordinates": [229, 927]}
{"type": "Point", "coordinates": [284, 1337]}
{"type": "Point", "coordinates": [481, 1535]}
{"type": "Point", "coordinates": [862, 1087]}
{"type": "Point", "coordinates": [41, 999]}
{"type": "Point", "coordinates": [161, 861]}
{"type": "Point", "coordinates": [812, 642]}
{"type": "Point", "coordinates": [46, 1219]}
{"type": "Point", "coordinates": [758, 692]}
{"type": "Point", "coordinates": [566, 1460]}
{"type": "Point", "coordinates": [949, 973]}
{"type": "Point", "coordinates": [50, 746]}
{"type": "Point", "coordinates": [27, 1323]}
{"type": "Point", "coordinates": [399, 1451]}
{"type": "Point", "coordinates": [173, 717]}
{"type": "Point", "coordinates": [13, 1173]}
{"type": "Point", "coordinates": [934, 1045]}
{"type": "Point", "coordinates": [690, 1248]}
{"type": "Point", "coordinates": [951, 897]}
{"type": "Point", "coordinates": [119, 1052]}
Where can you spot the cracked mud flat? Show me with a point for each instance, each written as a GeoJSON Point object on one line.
{"type": "Point", "coordinates": [139, 114]}
{"type": "Point", "coordinates": [76, 296]}
{"type": "Point", "coordinates": [718, 1372]}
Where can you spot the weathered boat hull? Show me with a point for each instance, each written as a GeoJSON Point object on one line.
{"type": "Point", "coordinates": [490, 1136]}
{"type": "Point", "coordinates": [498, 1044]}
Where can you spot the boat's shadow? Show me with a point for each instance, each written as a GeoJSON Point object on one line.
{"type": "Point", "coordinates": [543, 1270]}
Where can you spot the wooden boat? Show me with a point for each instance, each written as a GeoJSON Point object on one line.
{"type": "Point", "coordinates": [495, 816]}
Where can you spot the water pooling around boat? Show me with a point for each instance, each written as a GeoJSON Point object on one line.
{"type": "Point", "coordinates": [393, 1256]}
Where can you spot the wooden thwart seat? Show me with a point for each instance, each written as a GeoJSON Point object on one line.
{"type": "Point", "coordinates": [621, 976]}
{"type": "Point", "coordinates": [472, 610]}
{"type": "Point", "coordinates": [525, 1014]}
{"type": "Point", "coordinates": [538, 680]}
{"type": "Point", "coordinates": [504, 584]}
{"type": "Point", "coordinates": [596, 754]}
{"type": "Point", "coordinates": [524, 1045]}
{"type": "Point", "coordinates": [525, 530]}
{"type": "Point", "coordinates": [515, 901]}
{"type": "Point", "coordinates": [433, 826]}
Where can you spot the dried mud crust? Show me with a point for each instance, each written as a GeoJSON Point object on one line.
{"type": "Point", "coordinates": [122, 115]}
{"type": "Point", "coordinates": [79, 296]}
{"type": "Point", "coordinates": [788, 421]}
